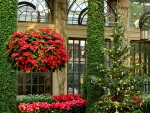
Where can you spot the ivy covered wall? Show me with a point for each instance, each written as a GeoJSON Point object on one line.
{"type": "Point", "coordinates": [8, 77]}
{"type": "Point", "coordinates": [95, 40]}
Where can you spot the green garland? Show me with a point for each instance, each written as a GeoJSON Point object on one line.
{"type": "Point", "coordinates": [95, 40]}
{"type": "Point", "coordinates": [8, 77]}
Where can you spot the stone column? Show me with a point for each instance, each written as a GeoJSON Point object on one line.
{"type": "Point", "coordinates": [60, 78]}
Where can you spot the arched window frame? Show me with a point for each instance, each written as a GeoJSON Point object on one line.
{"type": "Point", "coordinates": [77, 12]}
{"type": "Point", "coordinates": [139, 14]}
{"type": "Point", "coordinates": [36, 11]}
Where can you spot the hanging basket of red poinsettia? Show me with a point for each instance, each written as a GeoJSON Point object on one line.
{"type": "Point", "coordinates": [36, 50]}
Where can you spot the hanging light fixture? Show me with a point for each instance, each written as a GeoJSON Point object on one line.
{"type": "Point", "coordinates": [143, 34]}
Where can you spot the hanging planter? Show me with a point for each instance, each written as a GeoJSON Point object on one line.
{"type": "Point", "coordinates": [36, 50]}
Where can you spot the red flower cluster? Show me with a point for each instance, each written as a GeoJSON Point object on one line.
{"type": "Point", "coordinates": [65, 105]}
{"type": "Point", "coordinates": [137, 100]}
{"type": "Point", "coordinates": [31, 50]}
{"type": "Point", "coordinates": [69, 97]}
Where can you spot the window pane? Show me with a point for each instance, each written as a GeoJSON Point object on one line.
{"type": "Point", "coordinates": [76, 65]}
{"type": "Point", "coordinates": [34, 78]}
{"type": "Point", "coordinates": [70, 53]}
{"type": "Point", "coordinates": [20, 78]}
{"type": "Point", "coordinates": [77, 11]}
{"type": "Point", "coordinates": [28, 78]}
{"type": "Point", "coordinates": [70, 90]}
{"type": "Point", "coordinates": [28, 90]}
{"type": "Point", "coordinates": [70, 68]}
{"type": "Point", "coordinates": [47, 78]}
{"type": "Point", "coordinates": [76, 78]}
{"type": "Point", "coordinates": [132, 48]}
{"type": "Point", "coordinates": [82, 55]}
{"type": "Point", "coordinates": [138, 18]}
{"type": "Point", "coordinates": [76, 53]}
{"type": "Point", "coordinates": [41, 78]}
{"type": "Point", "coordinates": [34, 89]}
{"type": "Point", "coordinates": [35, 10]}
{"type": "Point", "coordinates": [41, 89]}
{"type": "Point", "coordinates": [70, 78]}
{"type": "Point", "coordinates": [48, 89]}
{"type": "Point", "coordinates": [76, 89]}
{"type": "Point", "coordinates": [132, 57]}
{"type": "Point", "coordinates": [136, 47]}
{"type": "Point", "coordinates": [41, 83]}
{"type": "Point", "coordinates": [140, 55]}
{"type": "Point", "coordinates": [76, 8]}
{"type": "Point", "coordinates": [81, 79]}
{"type": "Point", "coordinates": [136, 58]}
{"type": "Point", "coordinates": [142, 47]}
{"type": "Point", "coordinates": [82, 68]}
{"type": "Point", "coordinates": [20, 90]}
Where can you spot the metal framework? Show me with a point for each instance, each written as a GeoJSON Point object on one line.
{"type": "Point", "coordinates": [141, 55]}
{"type": "Point", "coordinates": [34, 83]}
{"type": "Point", "coordinates": [144, 21]}
{"type": "Point", "coordinates": [76, 65]}
{"type": "Point", "coordinates": [35, 11]}
{"type": "Point", "coordinates": [77, 12]}
{"type": "Point", "coordinates": [140, 14]}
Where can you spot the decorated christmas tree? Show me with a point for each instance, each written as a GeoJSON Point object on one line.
{"type": "Point", "coordinates": [122, 87]}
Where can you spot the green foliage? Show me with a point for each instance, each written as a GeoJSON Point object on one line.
{"type": "Point", "coordinates": [34, 98]}
{"type": "Point", "coordinates": [122, 86]}
{"type": "Point", "coordinates": [146, 108]}
{"type": "Point", "coordinates": [84, 86]}
{"type": "Point", "coordinates": [95, 39]}
{"type": "Point", "coordinates": [8, 77]}
{"type": "Point", "coordinates": [48, 99]}
{"type": "Point", "coordinates": [72, 110]}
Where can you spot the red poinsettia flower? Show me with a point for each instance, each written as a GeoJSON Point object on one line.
{"type": "Point", "coordinates": [64, 102]}
{"type": "Point", "coordinates": [36, 50]}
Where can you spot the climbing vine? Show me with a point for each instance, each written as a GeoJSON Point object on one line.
{"type": "Point", "coordinates": [61, 75]}
{"type": "Point", "coordinates": [95, 40]}
{"type": "Point", "coordinates": [8, 76]}
{"type": "Point", "coordinates": [61, 10]}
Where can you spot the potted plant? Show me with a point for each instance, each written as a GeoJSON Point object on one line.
{"type": "Point", "coordinates": [42, 50]}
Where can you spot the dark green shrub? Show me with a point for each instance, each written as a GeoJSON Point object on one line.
{"type": "Point", "coordinates": [84, 94]}
{"type": "Point", "coordinates": [78, 109]}
{"type": "Point", "coordinates": [34, 98]}
{"type": "Point", "coordinates": [73, 110]}
{"type": "Point", "coordinates": [95, 39]}
{"type": "Point", "coordinates": [8, 77]}
{"type": "Point", "coordinates": [146, 108]}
